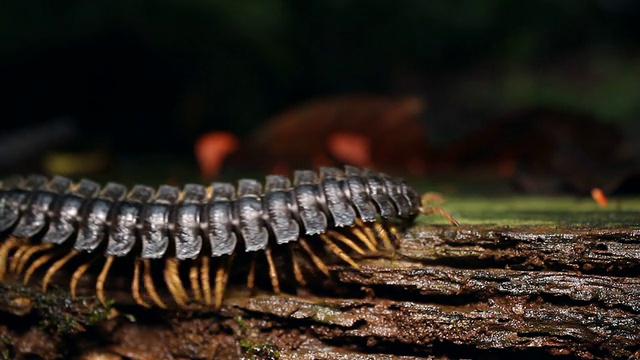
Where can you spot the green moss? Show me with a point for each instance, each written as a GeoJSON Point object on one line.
{"type": "Point", "coordinates": [5, 346]}
{"type": "Point", "coordinates": [255, 350]}
{"type": "Point", "coordinates": [6, 354]}
{"type": "Point", "coordinates": [260, 351]}
{"type": "Point", "coordinates": [241, 324]}
{"type": "Point", "coordinates": [544, 210]}
{"type": "Point", "coordinates": [62, 315]}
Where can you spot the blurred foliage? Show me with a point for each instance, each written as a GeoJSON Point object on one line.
{"type": "Point", "coordinates": [528, 210]}
{"type": "Point", "coordinates": [153, 75]}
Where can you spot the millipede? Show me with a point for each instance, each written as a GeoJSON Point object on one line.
{"type": "Point", "coordinates": [182, 242]}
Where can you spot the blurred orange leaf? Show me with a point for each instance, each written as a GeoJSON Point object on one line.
{"type": "Point", "coordinates": [211, 149]}
{"type": "Point", "coordinates": [350, 148]}
{"type": "Point", "coordinates": [598, 195]}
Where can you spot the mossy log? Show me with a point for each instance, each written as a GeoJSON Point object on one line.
{"type": "Point", "coordinates": [467, 292]}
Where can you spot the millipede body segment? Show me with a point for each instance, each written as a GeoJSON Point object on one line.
{"type": "Point", "coordinates": [196, 232]}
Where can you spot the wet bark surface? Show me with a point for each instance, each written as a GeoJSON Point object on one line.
{"type": "Point", "coordinates": [467, 292]}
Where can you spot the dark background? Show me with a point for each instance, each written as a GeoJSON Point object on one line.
{"type": "Point", "coordinates": [150, 77]}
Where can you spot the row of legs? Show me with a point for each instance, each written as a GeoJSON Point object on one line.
{"type": "Point", "coordinates": [20, 257]}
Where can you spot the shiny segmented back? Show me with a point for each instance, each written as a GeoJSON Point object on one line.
{"type": "Point", "coordinates": [223, 215]}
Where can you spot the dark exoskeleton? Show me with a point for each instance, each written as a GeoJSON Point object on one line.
{"type": "Point", "coordinates": [37, 214]}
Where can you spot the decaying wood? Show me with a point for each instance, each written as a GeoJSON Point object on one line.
{"type": "Point", "coordinates": [471, 292]}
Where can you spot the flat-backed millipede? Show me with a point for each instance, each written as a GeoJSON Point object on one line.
{"type": "Point", "coordinates": [192, 235]}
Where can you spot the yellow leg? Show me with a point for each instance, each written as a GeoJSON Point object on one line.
{"type": "Point", "coordinates": [135, 285]}
{"type": "Point", "coordinates": [316, 260]}
{"type": "Point", "coordinates": [336, 250]}
{"type": "Point", "coordinates": [102, 278]}
{"type": "Point", "coordinates": [369, 235]}
{"type": "Point", "coordinates": [9, 244]}
{"type": "Point", "coordinates": [35, 265]}
{"type": "Point", "coordinates": [345, 240]}
{"type": "Point", "coordinates": [195, 281]}
{"type": "Point", "coordinates": [148, 285]}
{"type": "Point", "coordinates": [15, 259]}
{"type": "Point", "coordinates": [206, 283]}
{"type": "Point", "coordinates": [382, 232]}
{"type": "Point", "coordinates": [24, 259]}
{"type": "Point", "coordinates": [273, 274]}
{"type": "Point", "coordinates": [372, 246]}
{"type": "Point", "coordinates": [297, 272]}
{"type": "Point", "coordinates": [251, 278]}
{"type": "Point", "coordinates": [394, 232]}
{"type": "Point", "coordinates": [221, 281]}
{"type": "Point", "coordinates": [76, 277]}
{"type": "Point", "coordinates": [174, 284]}
{"type": "Point", "coordinates": [55, 267]}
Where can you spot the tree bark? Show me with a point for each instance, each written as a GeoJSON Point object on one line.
{"type": "Point", "coordinates": [466, 292]}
